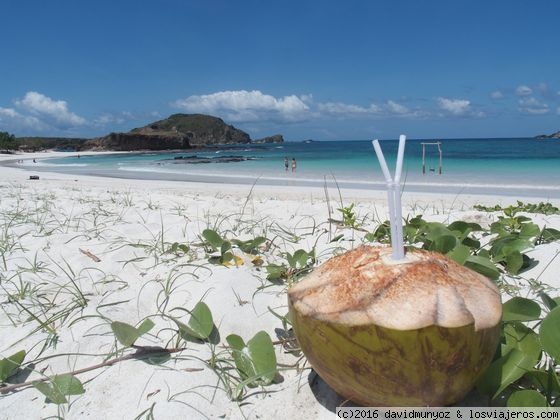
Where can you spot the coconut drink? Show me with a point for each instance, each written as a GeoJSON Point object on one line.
{"type": "Point", "coordinates": [414, 332]}
{"type": "Point", "coordinates": [387, 329]}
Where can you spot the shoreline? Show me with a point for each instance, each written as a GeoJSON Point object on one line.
{"type": "Point", "coordinates": [355, 188]}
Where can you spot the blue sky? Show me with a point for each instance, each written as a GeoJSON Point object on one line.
{"type": "Point", "coordinates": [324, 70]}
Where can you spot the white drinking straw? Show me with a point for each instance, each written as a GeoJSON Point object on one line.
{"type": "Point", "coordinates": [397, 193]}
{"type": "Point", "coordinates": [394, 196]}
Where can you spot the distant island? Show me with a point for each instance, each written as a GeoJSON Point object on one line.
{"type": "Point", "coordinates": [177, 132]}
{"type": "Point", "coordinates": [549, 136]}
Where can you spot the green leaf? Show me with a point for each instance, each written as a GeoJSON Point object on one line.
{"type": "Point", "coordinates": [514, 262]}
{"type": "Point", "coordinates": [10, 364]}
{"type": "Point", "coordinates": [471, 243]}
{"type": "Point", "coordinates": [298, 259]}
{"type": "Point", "coordinates": [549, 333]}
{"type": "Point", "coordinates": [251, 246]}
{"type": "Point", "coordinates": [499, 228]}
{"type": "Point", "coordinates": [460, 254]}
{"type": "Point", "coordinates": [521, 309]}
{"type": "Point", "coordinates": [226, 246]}
{"type": "Point", "coordinates": [435, 229]}
{"type": "Point", "coordinates": [519, 336]}
{"type": "Point", "coordinates": [256, 360]}
{"type": "Point", "coordinates": [550, 235]}
{"type": "Point", "coordinates": [226, 257]}
{"type": "Point", "coordinates": [504, 371]}
{"type": "Point", "coordinates": [529, 230]}
{"type": "Point", "coordinates": [443, 244]}
{"type": "Point", "coordinates": [200, 324]}
{"type": "Point", "coordinates": [276, 272]}
{"type": "Point", "coordinates": [68, 384]}
{"type": "Point", "coordinates": [51, 393]}
{"type": "Point", "coordinates": [459, 226]}
{"type": "Point", "coordinates": [526, 398]}
{"type": "Point", "coordinates": [549, 302]}
{"type": "Point", "coordinates": [145, 326]}
{"type": "Point", "coordinates": [301, 257]}
{"type": "Point", "coordinates": [61, 386]}
{"type": "Point", "coordinates": [242, 362]}
{"type": "Point", "coordinates": [213, 239]}
{"type": "Point", "coordinates": [483, 266]}
{"type": "Point", "coordinates": [502, 247]}
{"type": "Point", "coordinates": [546, 381]}
{"type": "Point", "coordinates": [262, 353]}
{"type": "Point", "coordinates": [125, 333]}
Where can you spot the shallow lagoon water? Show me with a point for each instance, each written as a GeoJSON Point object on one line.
{"type": "Point", "coordinates": [525, 166]}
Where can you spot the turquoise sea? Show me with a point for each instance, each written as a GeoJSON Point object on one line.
{"type": "Point", "coordinates": [522, 166]}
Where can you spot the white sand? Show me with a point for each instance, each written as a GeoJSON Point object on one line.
{"type": "Point", "coordinates": [54, 217]}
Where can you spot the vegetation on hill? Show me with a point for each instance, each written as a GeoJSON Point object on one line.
{"type": "Point", "coordinates": [33, 144]}
{"type": "Point", "coordinates": [7, 142]}
{"type": "Point", "coordinates": [192, 123]}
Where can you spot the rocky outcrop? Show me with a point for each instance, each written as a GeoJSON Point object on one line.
{"type": "Point", "coordinates": [549, 136]}
{"type": "Point", "coordinates": [139, 141]}
{"type": "Point", "coordinates": [277, 138]}
{"type": "Point", "coordinates": [179, 131]}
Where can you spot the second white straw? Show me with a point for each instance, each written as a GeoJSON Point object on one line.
{"type": "Point", "coordinates": [394, 196]}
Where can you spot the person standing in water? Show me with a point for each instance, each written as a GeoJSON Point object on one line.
{"type": "Point", "coordinates": [286, 163]}
{"type": "Point", "coordinates": [294, 164]}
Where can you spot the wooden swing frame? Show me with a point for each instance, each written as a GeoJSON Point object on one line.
{"type": "Point", "coordinates": [438, 144]}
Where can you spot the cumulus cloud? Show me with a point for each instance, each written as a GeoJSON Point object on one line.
{"type": "Point", "coordinates": [9, 117]}
{"type": "Point", "coordinates": [523, 90]}
{"type": "Point", "coordinates": [43, 106]}
{"type": "Point", "coordinates": [496, 95]}
{"type": "Point", "coordinates": [8, 113]}
{"type": "Point", "coordinates": [342, 109]}
{"type": "Point", "coordinates": [397, 108]}
{"type": "Point", "coordinates": [247, 106]}
{"type": "Point", "coordinates": [455, 106]}
{"type": "Point", "coordinates": [387, 109]}
{"type": "Point", "coordinates": [532, 106]}
{"type": "Point", "coordinates": [106, 119]}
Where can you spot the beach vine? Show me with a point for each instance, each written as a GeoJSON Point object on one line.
{"type": "Point", "coordinates": [55, 284]}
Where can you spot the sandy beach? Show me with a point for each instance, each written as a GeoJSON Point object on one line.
{"type": "Point", "coordinates": [80, 252]}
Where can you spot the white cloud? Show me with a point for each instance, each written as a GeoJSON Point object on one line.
{"type": "Point", "coordinates": [8, 112]}
{"type": "Point", "coordinates": [396, 108]}
{"type": "Point", "coordinates": [532, 106]}
{"type": "Point", "coordinates": [388, 109]}
{"type": "Point", "coordinates": [496, 95]}
{"type": "Point", "coordinates": [105, 119]}
{"type": "Point", "coordinates": [9, 117]}
{"type": "Point", "coordinates": [242, 105]}
{"type": "Point", "coordinates": [455, 106]}
{"type": "Point", "coordinates": [339, 108]}
{"type": "Point", "coordinates": [43, 106]}
{"type": "Point", "coordinates": [523, 90]}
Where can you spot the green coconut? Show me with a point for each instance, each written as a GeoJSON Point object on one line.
{"type": "Point", "coordinates": [414, 332]}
